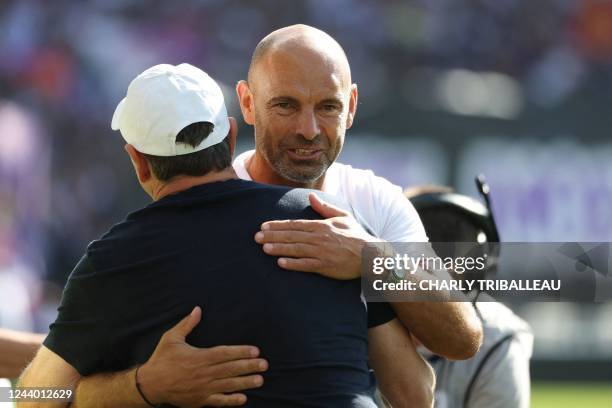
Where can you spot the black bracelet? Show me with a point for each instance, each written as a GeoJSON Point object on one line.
{"type": "Point", "coordinates": [139, 389]}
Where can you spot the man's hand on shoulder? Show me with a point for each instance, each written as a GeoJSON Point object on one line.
{"type": "Point", "coordinates": [330, 247]}
{"type": "Point", "coordinates": [186, 376]}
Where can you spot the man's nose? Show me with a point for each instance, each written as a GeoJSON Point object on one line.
{"type": "Point", "coordinates": [308, 125]}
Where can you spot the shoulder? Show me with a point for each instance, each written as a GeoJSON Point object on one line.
{"type": "Point", "coordinates": [346, 176]}
{"type": "Point", "coordinates": [295, 203]}
{"type": "Point", "coordinates": [82, 272]}
{"type": "Point", "coordinates": [381, 203]}
{"type": "Point", "coordinates": [359, 185]}
{"type": "Point", "coordinates": [114, 235]}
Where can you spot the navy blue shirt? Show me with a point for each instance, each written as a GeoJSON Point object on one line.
{"type": "Point", "coordinates": [197, 248]}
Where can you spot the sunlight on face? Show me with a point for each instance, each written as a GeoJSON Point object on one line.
{"type": "Point", "coordinates": [302, 99]}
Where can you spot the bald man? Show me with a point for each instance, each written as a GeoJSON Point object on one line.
{"type": "Point", "coordinates": [301, 100]}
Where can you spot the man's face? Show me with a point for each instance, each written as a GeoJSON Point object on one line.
{"type": "Point", "coordinates": [301, 108]}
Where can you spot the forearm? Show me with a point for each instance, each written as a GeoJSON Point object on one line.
{"type": "Point", "coordinates": [404, 378]}
{"type": "Point", "coordinates": [108, 390]}
{"type": "Point", "coordinates": [48, 370]}
{"type": "Point", "coordinates": [443, 321]}
{"type": "Point", "coordinates": [17, 349]}
{"type": "Point", "coordinates": [449, 329]}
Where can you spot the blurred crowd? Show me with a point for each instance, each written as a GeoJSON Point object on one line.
{"type": "Point", "coordinates": [65, 64]}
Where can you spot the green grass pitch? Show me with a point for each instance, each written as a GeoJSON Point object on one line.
{"type": "Point", "coordinates": [571, 395]}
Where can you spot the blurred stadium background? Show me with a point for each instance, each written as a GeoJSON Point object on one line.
{"type": "Point", "coordinates": [519, 90]}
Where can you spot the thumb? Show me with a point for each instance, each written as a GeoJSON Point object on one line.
{"type": "Point", "coordinates": [185, 326]}
{"type": "Point", "coordinates": [324, 208]}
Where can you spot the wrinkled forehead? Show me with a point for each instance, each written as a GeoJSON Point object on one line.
{"type": "Point", "coordinates": [302, 72]}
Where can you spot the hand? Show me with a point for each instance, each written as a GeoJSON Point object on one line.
{"type": "Point", "coordinates": [330, 247]}
{"type": "Point", "coordinates": [186, 376]}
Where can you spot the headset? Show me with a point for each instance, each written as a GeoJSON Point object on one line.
{"type": "Point", "coordinates": [472, 210]}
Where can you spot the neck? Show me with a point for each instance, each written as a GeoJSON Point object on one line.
{"type": "Point", "coordinates": [261, 171]}
{"type": "Point", "coordinates": [182, 183]}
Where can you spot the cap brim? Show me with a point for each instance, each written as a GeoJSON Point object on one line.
{"type": "Point", "coordinates": [117, 115]}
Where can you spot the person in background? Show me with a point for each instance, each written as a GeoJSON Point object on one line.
{"type": "Point", "coordinates": [498, 375]}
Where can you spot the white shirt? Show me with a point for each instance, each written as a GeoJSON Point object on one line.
{"type": "Point", "coordinates": [377, 201]}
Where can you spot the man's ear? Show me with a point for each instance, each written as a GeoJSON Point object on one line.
{"type": "Point", "coordinates": [245, 99]}
{"type": "Point", "coordinates": [140, 163]}
{"type": "Point", "coordinates": [233, 132]}
{"type": "Point", "coordinates": [352, 106]}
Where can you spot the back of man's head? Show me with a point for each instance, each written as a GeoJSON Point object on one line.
{"type": "Point", "coordinates": [447, 224]}
{"type": "Point", "coordinates": [214, 158]}
{"type": "Point", "coordinates": [175, 117]}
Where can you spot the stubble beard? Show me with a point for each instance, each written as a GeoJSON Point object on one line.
{"type": "Point", "coordinates": [305, 174]}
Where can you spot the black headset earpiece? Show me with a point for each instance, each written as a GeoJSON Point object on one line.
{"type": "Point", "coordinates": [473, 210]}
{"type": "Point", "coordinates": [468, 207]}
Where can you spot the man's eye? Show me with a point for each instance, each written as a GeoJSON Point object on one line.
{"type": "Point", "coordinates": [330, 108]}
{"type": "Point", "coordinates": [283, 105]}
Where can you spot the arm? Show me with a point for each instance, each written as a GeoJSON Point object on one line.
{"type": "Point", "coordinates": [178, 374]}
{"type": "Point", "coordinates": [48, 370]}
{"type": "Point", "coordinates": [449, 329]}
{"type": "Point", "coordinates": [404, 378]}
{"type": "Point", "coordinates": [333, 247]}
{"type": "Point", "coordinates": [17, 349]}
{"type": "Point", "coordinates": [108, 390]}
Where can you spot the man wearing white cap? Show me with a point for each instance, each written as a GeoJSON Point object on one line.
{"type": "Point", "coordinates": [193, 246]}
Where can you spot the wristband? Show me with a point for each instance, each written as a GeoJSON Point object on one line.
{"type": "Point", "coordinates": [140, 389]}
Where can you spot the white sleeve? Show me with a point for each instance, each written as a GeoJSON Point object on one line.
{"type": "Point", "coordinates": [504, 380]}
{"type": "Point", "coordinates": [399, 221]}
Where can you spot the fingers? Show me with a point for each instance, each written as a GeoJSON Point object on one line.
{"type": "Point", "coordinates": [293, 225]}
{"type": "Point", "coordinates": [220, 400]}
{"type": "Point", "coordinates": [292, 250]}
{"type": "Point", "coordinates": [185, 326]}
{"type": "Point", "coordinates": [237, 368]}
{"type": "Point", "coordinates": [222, 354]}
{"type": "Point", "coordinates": [324, 208]}
{"type": "Point", "coordinates": [286, 237]}
{"type": "Point", "coordinates": [301, 264]}
{"type": "Point", "coordinates": [237, 383]}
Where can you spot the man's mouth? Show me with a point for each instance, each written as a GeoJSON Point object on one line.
{"type": "Point", "coordinates": [305, 154]}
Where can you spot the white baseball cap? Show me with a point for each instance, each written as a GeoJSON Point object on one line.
{"type": "Point", "coordinates": [162, 101]}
